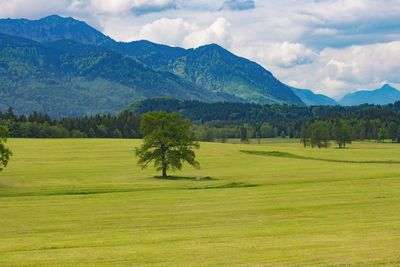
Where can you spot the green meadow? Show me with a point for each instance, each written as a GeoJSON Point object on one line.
{"type": "Point", "coordinates": [85, 202]}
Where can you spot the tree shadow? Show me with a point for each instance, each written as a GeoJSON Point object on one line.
{"type": "Point", "coordinates": [186, 178]}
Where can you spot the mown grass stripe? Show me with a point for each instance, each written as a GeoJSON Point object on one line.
{"type": "Point", "coordinates": [280, 154]}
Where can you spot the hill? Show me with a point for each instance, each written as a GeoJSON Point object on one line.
{"type": "Point", "coordinates": [384, 95]}
{"type": "Point", "coordinates": [311, 99]}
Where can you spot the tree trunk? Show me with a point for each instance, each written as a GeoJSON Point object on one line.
{"type": "Point", "coordinates": [164, 171]}
{"type": "Point", "coordinates": [164, 162]}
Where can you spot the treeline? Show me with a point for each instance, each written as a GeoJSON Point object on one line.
{"type": "Point", "coordinates": [320, 133]}
{"type": "Point", "coordinates": [219, 121]}
{"type": "Point", "coordinates": [36, 125]}
{"type": "Point", "coordinates": [222, 121]}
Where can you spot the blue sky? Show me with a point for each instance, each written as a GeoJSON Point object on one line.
{"type": "Point", "coordinates": [330, 46]}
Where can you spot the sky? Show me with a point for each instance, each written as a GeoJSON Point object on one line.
{"type": "Point", "coordinates": [330, 46]}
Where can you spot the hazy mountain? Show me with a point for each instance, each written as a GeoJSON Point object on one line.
{"type": "Point", "coordinates": [384, 95]}
{"type": "Point", "coordinates": [210, 67]}
{"type": "Point", "coordinates": [312, 99]}
{"type": "Point", "coordinates": [70, 78]}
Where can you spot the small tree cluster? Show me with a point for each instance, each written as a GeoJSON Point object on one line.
{"type": "Point", "coordinates": [319, 133]}
{"type": "Point", "coordinates": [342, 134]}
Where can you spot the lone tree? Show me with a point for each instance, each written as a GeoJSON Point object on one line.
{"type": "Point", "coordinates": [168, 141]}
{"type": "Point", "coordinates": [5, 153]}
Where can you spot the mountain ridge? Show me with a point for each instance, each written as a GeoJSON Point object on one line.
{"type": "Point", "coordinates": [217, 69]}
{"type": "Point", "coordinates": [53, 28]}
{"type": "Point", "coordinates": [386, 94]}
{"type": "Point", "coordinates": [80, 79]}
{"type": "Point", "coordinates": [312, 99]}
{"type": "Point", "coordinates": [210, 72]}
{"type": "Point", "coordinates": [161, 57]}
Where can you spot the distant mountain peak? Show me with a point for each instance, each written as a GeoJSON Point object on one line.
{"type": "Point", "coordinates": [211, 47]}
{"type": "Point", "coordinates": [54, 17]}
{"type": "Point", "coordinates": [145, 42]}
{"type": "Point", "coordinates": [387, 86]}
{"type": "Point", "coordinates": [51, 19]}
{"type": "Point", "coordinates": [54, 28]}
{"type": "Point", "coordinates": [385, 95]}
{"type": "Point", "coordinates": [63, 20]}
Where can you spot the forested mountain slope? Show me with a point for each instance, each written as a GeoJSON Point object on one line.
{"type": "Point", "coordinates": [66, 78]}
{"type": "Point", "coordinates": [208, 73]}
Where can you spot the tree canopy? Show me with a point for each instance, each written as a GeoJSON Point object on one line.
{"type": "Point", "coordinates": [168, 142]}
{"type": "Point", "coordinates": [5, 153]}
{"type": "Point", "coordinates": [342, 134]}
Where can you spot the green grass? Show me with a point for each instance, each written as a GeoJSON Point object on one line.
{"type": "Point", "coordinates": [85, 202]}
{"type": "Point", "coordinates": [280, 154]}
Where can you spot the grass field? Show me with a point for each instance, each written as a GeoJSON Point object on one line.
{"type": "Point", "coordinates": [86, 203]}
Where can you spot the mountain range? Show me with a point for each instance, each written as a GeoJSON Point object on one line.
{"type": "Point", "coordinates": [64, 67]}
{"type": "Point", "coordinates": [311, 99]}
{"type": "Point", "coordinates": [382, 96]}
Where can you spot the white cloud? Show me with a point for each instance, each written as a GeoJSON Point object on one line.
{"type": "Point", "coordinates": [178, 32]}
{"type": "Point", "coordinates": [369, 64]}
{"type": "Point", "coordinates": [218, 32]}
{"type": "Point", "coordinates": [338, 71]}
{"type": "Point", "coordinates": [30, 8]}
{"type": "Point", "coordinates": [325, 31]}
{"type": "Point", "coordinates": [167, 31]}
{"type": "Point", "coordinates": [284, 55]}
